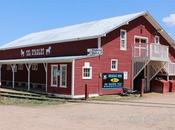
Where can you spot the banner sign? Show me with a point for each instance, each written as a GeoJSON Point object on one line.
{"type": "Point", "coordinates": [113, 80]}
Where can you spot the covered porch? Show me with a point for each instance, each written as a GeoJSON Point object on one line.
{"type": "Point", "coordinates": [32, 74]}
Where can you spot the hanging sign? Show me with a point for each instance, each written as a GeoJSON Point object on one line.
{"type": "Point", "coordinates": [112, 80]}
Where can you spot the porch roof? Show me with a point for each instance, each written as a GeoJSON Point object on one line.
{"type": "Point", "coordinates": [43, 60]}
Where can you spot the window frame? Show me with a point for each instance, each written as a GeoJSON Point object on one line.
{"type": "Point", "coordinates": [20, 67]}
{"type": "Point", "coordinates": [34, 67]}
{"type": "Point", "coordinates": [51, 84]}
{"type": "Point", "coordinates": [116, 65]}
{"type": "Point", "coordinates": [63, 86]}
{"type": "Point", "coordinates": [155, 39]}
{"type": "Point", "coordinates": [125, 75]}
{"type": "Point", "coordinates": [125, 39]}
{"type": "Point", "coordinates": [87, 66]}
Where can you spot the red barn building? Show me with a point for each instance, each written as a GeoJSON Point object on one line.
{"type": "Point", "coordinates": [106, 55]}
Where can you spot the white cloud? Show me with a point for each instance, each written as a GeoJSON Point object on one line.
{"type": "Point", "coordinates": [169, 20]}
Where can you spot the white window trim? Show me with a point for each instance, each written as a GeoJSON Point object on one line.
{"type": "Point", "coordinates": [123, 48]}
{"type": "Point", "coordinates": [53, 85]}
{"type": "Point", "coordinates": [116, 64]}
{"type": "Point", "coordinates": [140, 37]}
{"type": "Point", "coordinates": [125, 75]}
{"type": "Point", "coordinates": [63, 86]}
{"type": "Point", "coordinates": [89, 67]}
{"type": "Point", "coordinates": [158, 39]}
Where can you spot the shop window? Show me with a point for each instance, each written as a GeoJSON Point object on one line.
{"type": "Point", "coordinates": [54, 74]}
{"type": "Point", "coordinates": [20, 67]}
{"type": "Point", "coordinates": [114, 64]}
{"type": "Point", "coordinates": [63, 75]}
{"type": "Point", "coordinates": [123, 40]}
{"type": "Point", "coordinates": [87, 71]}
{"type": "Point", "coordinates": [8, 67]}
{"type": "Point", "coordinates": [34, 67]}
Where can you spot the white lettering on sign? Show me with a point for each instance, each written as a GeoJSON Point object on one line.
{"type": "Point", "coordinates": [95, 51]}
{"type": "Point", "coordinates": [36, 52]}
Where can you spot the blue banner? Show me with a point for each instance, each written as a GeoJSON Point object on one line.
{"type": "Point", "coordinates": [113, 80]}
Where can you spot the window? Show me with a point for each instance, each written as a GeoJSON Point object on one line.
{"type": "Point", "coordinates": [114, 64]}
{"type": "Point", "coordinates": [123, 40]}
{"type": "Point", "coordinates": [125, 75]}
{"type": "Point", "coordinates": [8, 67]}
{"type": "Point", "coordinates": [20, 67]}
{"type": "Point", "coordinates": [35, 67]}
{"type": "Point", "coordinates": [157, 39]}
{"type": "Point", "coordinates": [87, 71]}
{"type": "Point", "coordinates": [63, 75]}
{"type": "Point", "coordinates": [54, 72]}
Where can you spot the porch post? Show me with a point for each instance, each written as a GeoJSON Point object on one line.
{"type": "Point", "coordinates": [45, 67]}
{"type": "Point", "coordinates": [13, 75]}
{"type": "Point", "coordinates": [0, 74]}
{"type": "Point", "coordinates": [28, 69]}
{"type": "Point", "coordinates": [73, 79]}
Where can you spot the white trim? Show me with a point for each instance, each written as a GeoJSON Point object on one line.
{"type": "Point", "coordinates": [51, 84]}
{"type": "Point", "coordinates": [82, 96]}
{"type": "Point", "coordinates": [99, 42]}
{"type": "Point", "coordinates": [141, 37]}
{"type": "Point", "coordinates": [125, 39]}
{"type": "Point", "coordinates": [125, 75]}
{"type": "Point", "coordinates": [116, 64]}
{"type": "Point", "coordinates": [65, 59]}
{"type": "Point", "coordinates": [63, 86]}
{"type": "Point", "coordinates": [73, 77]}
{"type": "Point", "coordinates": [87, 66]}
{"type": "Point", "coordinates": [75, 96]}
{"type": "Point", "coordinates": [46, 71]}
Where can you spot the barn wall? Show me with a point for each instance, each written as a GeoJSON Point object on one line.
{"type": "Point", "coordinates": [58, 89]}
{"type": "Point", "coordinates": [57, 49]}
{"type": "Point", "coordinates": [111, 50]}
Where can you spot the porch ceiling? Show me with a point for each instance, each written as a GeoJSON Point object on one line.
{"type": "Point", "coordinates": [42, 60]}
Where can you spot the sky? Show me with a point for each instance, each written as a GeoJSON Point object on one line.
{"type": "Point", "coordinates": [21, 17]}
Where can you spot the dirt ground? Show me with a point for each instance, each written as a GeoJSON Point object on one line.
{"type": "Point", "coordinates": [153, 112]}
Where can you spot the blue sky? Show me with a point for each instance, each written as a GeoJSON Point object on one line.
{"type": "Point", "coordinates": [20, 17]}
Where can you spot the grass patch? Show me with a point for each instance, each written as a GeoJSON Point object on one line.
{"type": "Point", "coordinates": [115, 97]}
{"type": "Point", "coordinates": [28, 102]}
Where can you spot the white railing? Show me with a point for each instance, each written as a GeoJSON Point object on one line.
{"type": "Point", "coordinates": [152, 51]}
{"type": "Point", "coordinates": [170, 68]}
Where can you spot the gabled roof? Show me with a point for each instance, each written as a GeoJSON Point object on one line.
{"type": "Point", "coordinates": [83, 31]}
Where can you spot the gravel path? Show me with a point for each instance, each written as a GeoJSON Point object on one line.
{"type": "Point", "coordinates": [150, 113]}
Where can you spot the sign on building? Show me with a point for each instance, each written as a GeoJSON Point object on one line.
{"type": "Point", "coordinates": [36, 52]}
{"type": "Point", "coordinates": [95, 51]}
{"type": "Point", "coordinates": [112, 80]}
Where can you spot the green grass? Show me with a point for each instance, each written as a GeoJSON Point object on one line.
{"type": "Point", "coordinates": [28, 102]}
{"type": "Point", "coordinates": [115, 97]}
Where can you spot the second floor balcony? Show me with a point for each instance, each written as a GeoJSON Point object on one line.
{"type": "Point", "coordinates": [154, 52]}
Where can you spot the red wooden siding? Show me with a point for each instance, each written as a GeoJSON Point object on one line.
{"type": "Point", "coordinates": [58, 89]}
{"type": "Point", "coordinates": [59, 49]}
{"type": "Point", "coordinates": [111, 50]}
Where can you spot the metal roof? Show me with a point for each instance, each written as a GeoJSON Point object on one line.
{"type": "Point", "coordinates": [83, 31]}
